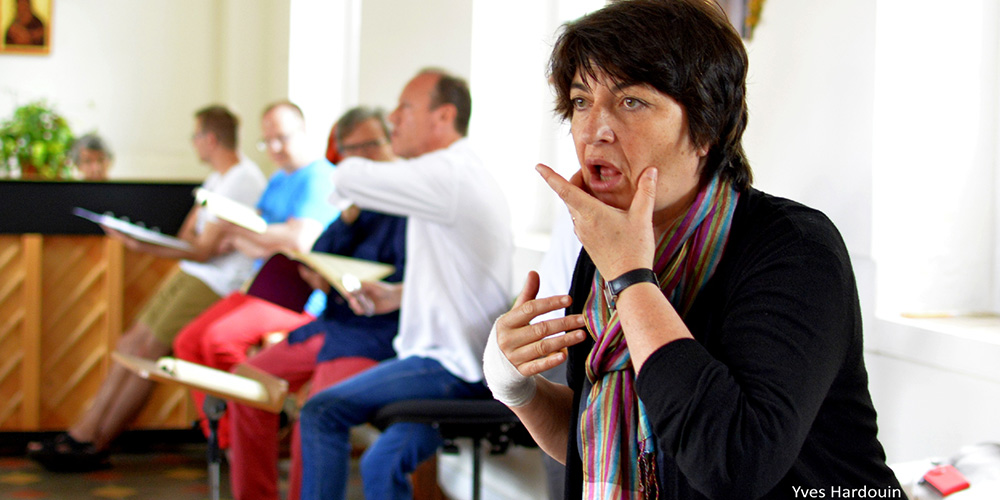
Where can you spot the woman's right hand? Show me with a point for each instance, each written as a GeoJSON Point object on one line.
{"type": "Point", "coordinates": [517, 350]}
{"type": "Point", "coordinates": [535, 348]}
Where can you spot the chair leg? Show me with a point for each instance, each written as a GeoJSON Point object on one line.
{"type": "Point", "coordinates": [476, 468]}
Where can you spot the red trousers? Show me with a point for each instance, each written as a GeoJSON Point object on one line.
{"type": "Point", "coordinates": [253, 452]}
{"type": "Point", "coordinates": [221, 336]}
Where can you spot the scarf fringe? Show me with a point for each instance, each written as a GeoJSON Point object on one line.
{"type": "Point", "coordinates": [649, 485]}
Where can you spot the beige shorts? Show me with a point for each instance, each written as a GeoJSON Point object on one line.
{"type": "Point", "coordinates": [180, 299]}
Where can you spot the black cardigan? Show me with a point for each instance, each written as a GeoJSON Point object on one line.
{"type": "Point", "coordinates": [771, 398]}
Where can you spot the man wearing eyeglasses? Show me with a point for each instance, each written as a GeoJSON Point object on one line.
{"type": "Point", "coordinates": [334, 346]}
{"type": "Point", "coordinates": [457, 281]}
{"type": "Point", "coordinates": [296, 210]}
{"type": "Point", "coordinates": [206, 273]}
{"type": "Point", "coordinates": [293, 203]}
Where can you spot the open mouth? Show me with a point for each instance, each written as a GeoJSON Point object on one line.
{"type": "Point", "coordinates": [603, 174]}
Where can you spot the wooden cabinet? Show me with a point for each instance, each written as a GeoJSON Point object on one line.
{"type": "Point", "coordinates": [67, 293]}
{"type": "Point", "coordinates": [64, 302]}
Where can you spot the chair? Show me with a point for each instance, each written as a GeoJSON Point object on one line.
{"type": "Point", "coordinates": [477, 419]}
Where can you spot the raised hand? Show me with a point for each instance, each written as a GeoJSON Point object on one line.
{"type": "Point", "coordinates": [535, 348]}
{"type": "Point", "coordinates": [617, 240]}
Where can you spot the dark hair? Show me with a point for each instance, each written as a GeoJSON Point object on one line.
{"type": "Point", "coordinates": [92, 142]}
{"type": "Point", "coordinates": [356, 116]}
{"type": "Point", "coordinates": [684, 48]}
{"type": "Point", "coordinates": [453, 90]}
{"type": "Point", "coordinates": [221, 122]}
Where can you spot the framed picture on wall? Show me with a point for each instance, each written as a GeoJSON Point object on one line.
{"type": "Point", "coordinates": [744, 14]}
{"type": "Point", "coordinates": [26, 26]}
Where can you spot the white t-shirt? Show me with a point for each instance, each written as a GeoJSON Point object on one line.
{"type": "Point", "coordinates": [458, 250]}
{"type": "Point", "coordinates": [243, 182]}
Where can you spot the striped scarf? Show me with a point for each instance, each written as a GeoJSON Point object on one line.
{"type": "Point", "coordinates": [618, 446]}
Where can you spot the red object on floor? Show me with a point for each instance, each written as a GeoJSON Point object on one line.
{"type": "Point", "coordinates": [946, 479]}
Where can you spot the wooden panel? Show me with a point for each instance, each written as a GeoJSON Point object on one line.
{"type": "Point", "coordinates": [18, 333]}
{"type": "Point", "coordinates": [141, 277]}
{"type": "Point", "coordinates": [168, 407]}
{"type": "Point", "coordinates": [64, 301]}
{"type": "Point", "coordinates": [74, 327]}
{"type": "Point", "coordinates": [11, 326]}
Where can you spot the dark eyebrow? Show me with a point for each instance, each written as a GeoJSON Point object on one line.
{"type": "Point", "coordinates": [618, 89]}
{"type": "Point", "coordinates": [622, 86]}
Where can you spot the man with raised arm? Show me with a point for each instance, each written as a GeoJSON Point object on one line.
{"type": "Point", "coordinates": [457, 278]}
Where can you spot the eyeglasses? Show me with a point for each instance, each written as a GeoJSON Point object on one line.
{"type": "Point", "coordinates": [362, 146]}
{"type": "Point", "coordinates": [273, 142]}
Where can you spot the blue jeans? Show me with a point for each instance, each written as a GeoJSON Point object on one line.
{"type": "Point", "coordinates": [328, 416]}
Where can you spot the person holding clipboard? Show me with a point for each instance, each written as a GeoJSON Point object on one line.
{"type": "Point", "coordinates": [206, 273]}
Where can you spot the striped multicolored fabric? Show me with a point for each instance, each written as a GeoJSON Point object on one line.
{"type": "Point", "coordinates": [618, 447]}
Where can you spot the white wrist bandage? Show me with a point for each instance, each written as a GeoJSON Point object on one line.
{"type": "Point", "coordinates": [508, 385]}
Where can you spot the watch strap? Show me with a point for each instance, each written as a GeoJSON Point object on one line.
{"type": "Point", "coordinates": [614, 287]}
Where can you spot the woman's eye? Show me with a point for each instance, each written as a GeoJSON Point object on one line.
{"type": "Point", "coordinates": [578, 103]}
{"type": "Point", "coordinates": [631, 102]}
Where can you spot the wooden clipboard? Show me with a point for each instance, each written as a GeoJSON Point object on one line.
{"type": "Point", "coordinates": [132, 230]}
{"type": "Point", "coordinates": [278, 280]}
{"type": "Point", "coordinates": [340, 271]}
{"type": "Point", "coordinates": [247, 385]}
{"type": "Point", "coordinates": [230, 210]}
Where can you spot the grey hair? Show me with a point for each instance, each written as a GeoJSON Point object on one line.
{"type": "Point", "coordinates": [92, 142]}
{"type": "Point", "coordinates": [356, 116]}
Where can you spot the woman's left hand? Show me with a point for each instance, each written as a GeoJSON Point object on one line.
{"type": "Point", "coordinates": [617, 240]}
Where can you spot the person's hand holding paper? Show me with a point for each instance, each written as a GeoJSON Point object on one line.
{"type": "Point", "coordinates": [369, 298]}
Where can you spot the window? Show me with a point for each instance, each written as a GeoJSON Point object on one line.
{"type": "Point", "coordinates": [935, 157]}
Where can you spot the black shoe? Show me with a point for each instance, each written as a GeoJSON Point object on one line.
{"type": "Point", "coordinates": [62, 453]}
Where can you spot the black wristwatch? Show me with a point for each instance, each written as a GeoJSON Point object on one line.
{"type": "Point", "coordinates": [612, 288]}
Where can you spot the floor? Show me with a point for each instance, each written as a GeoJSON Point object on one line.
{"type": "Point", "coordinates": [147, 468]}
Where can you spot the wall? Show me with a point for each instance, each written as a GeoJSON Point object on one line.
{"type": "Point", "coordinates": [827, 79]}
{"type": "Point", "coordinates": [936, 128]}
{"type": "Point", "coordinates": [399, 38]}
{"type": "Point", "coordinates": [323, 62]}
{"type": "Point", "coordinates": [935, 383]}
{"type": "Point", "coordinates": [810, 92]}
{"type": "Point", "coordinates": [136, 71]}
{"type": "Point", "coordinates": [254, 67]}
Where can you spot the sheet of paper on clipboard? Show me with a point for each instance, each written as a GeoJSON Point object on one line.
{"type": "Point", "coordinates": [278, 280]}
{"type": "Point", "coordinates": [246, 384]}
{"type": "Point", "coordinates": [230, 210]}
{"type": "Point", "coordinates": [133, 230]}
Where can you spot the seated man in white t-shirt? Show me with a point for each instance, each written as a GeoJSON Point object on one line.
{"type": "Point", "coordinates": [206, 273]}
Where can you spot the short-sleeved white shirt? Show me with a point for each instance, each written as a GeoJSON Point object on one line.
{"type": "Point", "coordinates": [244, 183]}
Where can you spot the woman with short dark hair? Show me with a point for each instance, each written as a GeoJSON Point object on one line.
{"type": "Point", "coordinates": [714, 334]}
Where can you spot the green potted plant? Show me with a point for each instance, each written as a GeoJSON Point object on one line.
{"type": "Point", "coordinates": [35, 143]}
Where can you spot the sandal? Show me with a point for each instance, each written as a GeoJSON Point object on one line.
{"type": "Point", "coordinates": [62, 453]}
